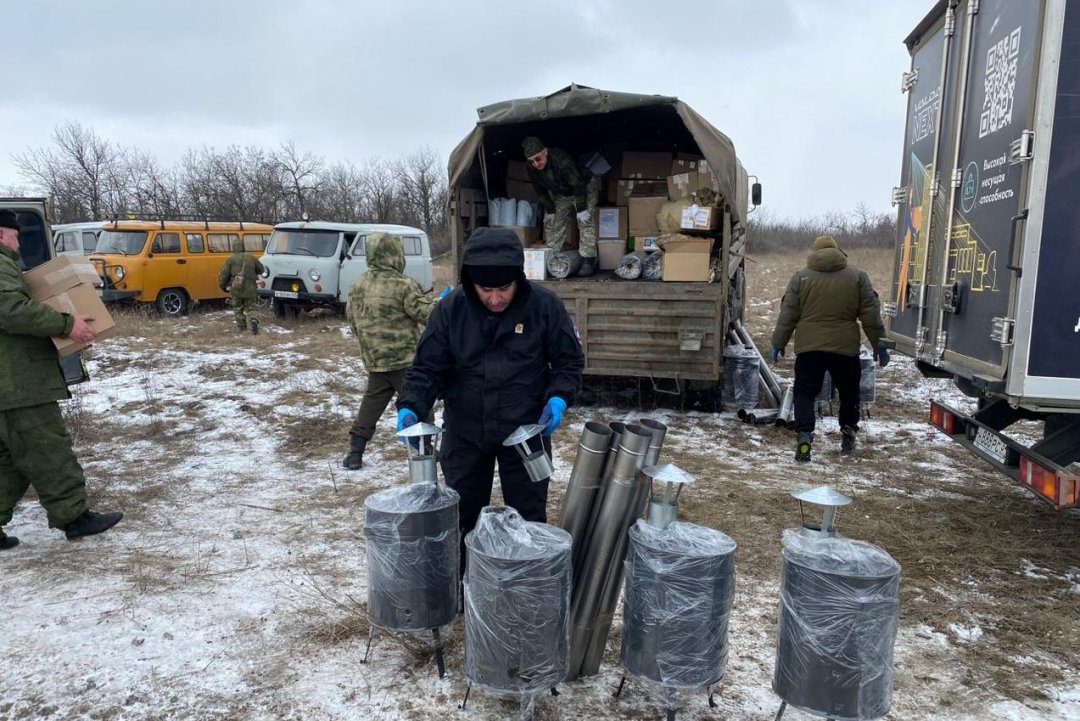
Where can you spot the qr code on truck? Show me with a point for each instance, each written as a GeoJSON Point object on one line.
{"type": "Point", "coordinates": [999, 84]}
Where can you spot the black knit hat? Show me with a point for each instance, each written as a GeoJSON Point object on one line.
{"type": "Point", "coordinates": [493, 276]}
{"type": "Point", "coordinates": [9, 220]}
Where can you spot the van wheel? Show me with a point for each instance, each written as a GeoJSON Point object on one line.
{"type": "Point", "coordinates": [281, 309]}
{"type": "Point", "coordinates": [172, 302]}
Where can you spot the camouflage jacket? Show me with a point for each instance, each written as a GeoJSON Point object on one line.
{"type": "Point", "coordinates": [561, 177]}
{"type": "Point", "coordinates": [386, 306]}
{"type": "Point", "coordinates": [240, 270]}
{"type": "Point", "coordinates": [824, 304]}
{"type": "Point", "coordinates": [29, 364]}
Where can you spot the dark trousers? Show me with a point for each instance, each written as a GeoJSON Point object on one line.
{"type": "Point", "coordinates": [381, 388]}
{"type": "Point", "coordinates": [35, 449]}
{"type": "Point", "coordinates": [810, 368]}
{"type": "Point", "coordinates": [470, 470]}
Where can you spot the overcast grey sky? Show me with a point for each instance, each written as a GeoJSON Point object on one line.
{"type": "Point", "coordinates": [808, 90]}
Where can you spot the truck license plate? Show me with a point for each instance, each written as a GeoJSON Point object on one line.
{"type": "Point", "coordinates": [286, 294]}
{"type": "Point", "coordinates": [991, 445]}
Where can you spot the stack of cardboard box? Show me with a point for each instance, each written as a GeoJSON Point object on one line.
{"type": "Point", "coordinates": [67, 284]}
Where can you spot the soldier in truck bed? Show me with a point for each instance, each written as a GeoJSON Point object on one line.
{"type": "Point", "coordinates": [567, 193]}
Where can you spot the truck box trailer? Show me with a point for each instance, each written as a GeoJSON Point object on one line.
{"type": "Point", "coordinates": [671, 332]}
{"type": "Point", "coordinates": [988, 228]}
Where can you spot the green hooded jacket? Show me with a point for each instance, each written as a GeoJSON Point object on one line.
{"type": "Point", "coordinates": [824, 304]}
{"type": "Point", "coordinates": [561, 177]}
{"type": "Point", "coordinates": [29, 364]}
{"type": "Point", "coordinates": [241, 272]}
{"type": "Point", "coordinates": [386, 307]}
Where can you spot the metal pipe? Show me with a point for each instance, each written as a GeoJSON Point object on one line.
{"type": "Point", "coordinates": [602, 568]}
{"type": "Point", "coordinates": [657, 431]}
{"type": "Point", "coordinates": [583, 486]}
{"type": "Point", "coordinates": [786, 415]}
{"type": "Point", "coordinates": [766, 372]}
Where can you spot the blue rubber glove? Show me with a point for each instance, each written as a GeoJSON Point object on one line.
{"type": "Point", "coordinates": [776, 353]}
{"type": "Point", "coordinates": [406, 418]}
{"type": "Point", "coordinates": [552, 415]}
{"type": "Point", "coordinates": [883, 357]}
{"type": "Point", "coordinates": [448, 291]}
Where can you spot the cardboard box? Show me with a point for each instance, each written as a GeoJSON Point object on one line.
{"type": "Point", "coordinates": [687, 259]}
{"type": "Point", "coordinates": [642, 215]}
{"type": "Point", "coordinates": [610, 252]}
{"type": "Point", "coordinates": [684, 162]}
{"type": "Point", "coordinates": [81, 299]}
{"type": "Point", "coordinates": [536, 263]}
{"type": "Point", "coordinates": [681, 186]}
{"type": "Point", "coordinates": [637, 164]}
{"type": "Point", "coordinates": [521, 190]}
{"type": "Point", "coordinates": [629, 188]}
{"type": "Point", "coordinates": [59, 274]}
{"type": "Point", "coordinates": [611, 224]}
{"type": "Point", "coordinates": [527, 234]}
{"type": "Point", "coordinates": [700, 218]}
{"type": "Point", "coordinates": [517, 170]}
{"type": "Point", "coordinates": [472, 202]}
{"type": "Point", "coordinates": [645, 243]}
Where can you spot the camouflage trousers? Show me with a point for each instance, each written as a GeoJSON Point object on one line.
{"type": "Point", "coordinates": [35, 450]}
{"type": "Point", "coordinates": [557, 224]}
{"type": "Point", "coordinates": [244, 311]}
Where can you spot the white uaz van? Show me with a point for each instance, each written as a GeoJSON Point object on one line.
{"type": "Point", "coordinates": [76, 238]}
{"type": "Point", "coordinates": [313, 263]}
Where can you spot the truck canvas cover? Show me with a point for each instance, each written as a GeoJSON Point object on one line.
{"type": "Point", "coordinates": [986, 233]}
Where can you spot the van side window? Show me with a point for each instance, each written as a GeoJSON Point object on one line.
{"type": "Point", "coordinates": [255, 241]}
{"type": "Point", "coordinates": [412, 245]}
{"type": "Point", "coordinates": [195, 243]}
{"type": "Point", "coordinates": [166, 243]}
{"type": "Point", "coordinates": [221, 242]}
{"type": "Point", "coordinates": [64, 242]}
{"type": "Point", "coordinates": [361, 247]}
{"type": "Point", "coordinates": [89, 241]}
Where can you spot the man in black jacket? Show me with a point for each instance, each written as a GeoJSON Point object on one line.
{"type": "Point", "coordinates": [502, 353]}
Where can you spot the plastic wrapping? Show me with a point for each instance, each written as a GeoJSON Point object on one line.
{"type": "Point", "coordinates": [517, 603]}
{"type": "Point", "coordinates": [867, 377]}
{"type": "Point", "coordinates": [629, 267]}
{"type": "Point", "coordinates": [526, 213]}
{"type": "Point", "coordinates": [680, 582]}
{"type": "Point", "coordinates": [503, 211]}
{"type": "Point", "coordinates": [740, 387]}
{"type": "Point", "coordinates": [652, 267]}
{"type": "Point", "coordinates": [413, 547]}
{"type": "Point", "coordinates": [839, 610]}
{"type": "Point", "coordinates": [563, 264]}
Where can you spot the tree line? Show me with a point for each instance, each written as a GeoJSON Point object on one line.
{"type": "Point", "coordinates": [87, 177]}
{"type": "Point", "coordinates": [861, 227]}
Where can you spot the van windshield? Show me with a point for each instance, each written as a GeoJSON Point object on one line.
{"type": "Point", "coordinates": [124, 242]}
{"type": "Point", "coordinates": [320, 243]}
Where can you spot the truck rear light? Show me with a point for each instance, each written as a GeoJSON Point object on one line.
{"type": "Point", "coordinates": [942, 419]}
{"type": "Point", "coordinates": [1060, 488]}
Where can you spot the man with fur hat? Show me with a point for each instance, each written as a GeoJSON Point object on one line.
{"type": "Point", "coordinates": [385, 311]}
{"type": "Point", "coordinates": [823, 306]}
{"type": "Point", "coordinates": [35, 448]}
{"type": "Point", "coordinates": [502, 353]}
{"type": "Point", "coordinates": [567, 194]}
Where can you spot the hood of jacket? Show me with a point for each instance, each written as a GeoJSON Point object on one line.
{"type": "Point", "coordinates": [826, 260]}
{"type": "Point", "coordinates": [492, 246]}
{"type": "Point", "coordinates": [385, 252]}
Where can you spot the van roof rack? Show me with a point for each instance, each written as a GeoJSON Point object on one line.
{"type": "Point", "coordinates": [182, 217]}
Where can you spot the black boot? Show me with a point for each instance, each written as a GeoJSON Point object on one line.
{"type": "Point", "coordinates": [803, 446]}
{"type": "Point", "coordinates": [847, 440]}
{"type": "Point", "coordinates": [90, 523]}
{"type": "Point", "coordinates": [7, 541]}
{"type": "Point", "coordinates": [588, 267]}
{"type": "Point", "coordinates": [253, 324]}
{"type": "Point", "coordinates": [354, 460]}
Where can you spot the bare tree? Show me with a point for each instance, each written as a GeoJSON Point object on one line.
{"type": "Point", "coordinates": [302, 175]}
{"type": "Point", "coordinates": [379, 190]}
{"type": "Point", "coordinates": [423, 189]}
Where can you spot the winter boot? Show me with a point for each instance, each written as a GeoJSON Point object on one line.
{"type": "Point", "coordinates": [802, 447]}
{"type": "Point", "coordinates": [253, 324]}
{"type": "Point", "coordinates": [847, 440]}
{"type": "Point", "coordinates": [91, 522]}
{"type": "Point", "coordinates": [588, 267]}
{"type": "Point", "coordinates": [354, 460]}
{"type": "Point", "coordinates": [7, 541]}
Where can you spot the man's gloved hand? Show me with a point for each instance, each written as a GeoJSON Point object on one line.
{"type": "Point", "coordinates": [584, 216]}
{"type": "Point", "coordinates": [406, 418]}
{"type": "Point", "coordinates": [552, 415]}
{"type": "Point", "coordinates": [448, 291]}
{"type": "Point", "coordinates": [882, 356]}
{"type": "Point", "coordinates": [776, 353]}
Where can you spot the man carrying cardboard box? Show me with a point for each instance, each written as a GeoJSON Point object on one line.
{"type": "Point", "coordinates": [564, 190]}
{"type": "Point", "coordinates": [35, 448]}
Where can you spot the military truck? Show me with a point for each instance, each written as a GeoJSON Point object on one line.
{"type": "Point", "coordinates": [35, 248]}
{"type": "Point", "coordinates": [987, 230]}
{"type": "Point", "coordinates": [670, 332]}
